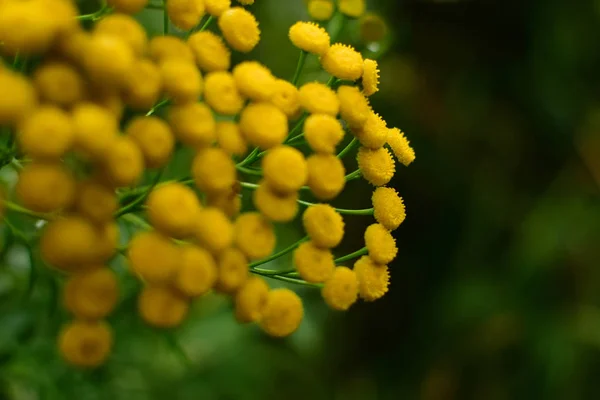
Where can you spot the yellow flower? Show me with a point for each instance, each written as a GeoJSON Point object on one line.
{"type": "Point", "coordinates": [96, 201]}
{"type": "Point", "coordinates": [285, 169]}
{"type": "Point", "coordinates": [354, 106]}
{"type": "Point", "coordinates": [323, 133]}
{"type": "Point", "coordinates": [162, 307]}
{"type": "Point", "coordinates": [373, 28]}
{"type": "Point", "coordinates": [314, 264]}
{"type": "Point", "coordinates": [109, 98]}
{"type": "Point", "coordinates": [228, 201]}
{"type": "Point", "coordinates": [128, 6]}
{"type": "Point", "coordinates": [210, 51]}
{"type": "Point", "coordinates": [388, 207]}
{"type": "Point", "coordinates": [197, 272]}
{"type": "Point", "coordinates": [91, 294]}
{"type": "Point", "coordinates": [230, 138]}
{"type": "Point", "coordinates": [217, 7]}
{"type": "Point", "coordinates": [85, 343]}
{"type": "Point", "coordinates": [185, 14]}
{"type": "Point", "coordinates": [373, 279]}
{"type": "Point", "coordinates": [123, 163]}
{"type": "Point", "coordinates": [250, 300]}
{"type": "Point", "coordinates": [107, 240]}
{"type": "Point", "coordinates": [376, 166]}
{"type": "Point", "coordinates": [233, 270]}
{"type": "Point", "coordinates": [374, 132]}
{"type": "Point", "coordinates": [172, 209]}
{"type": "Point", "coordinates": [352, 8]}
{"type": "Point", "coordinates": [320, 10]}
{"type": "Point", "coordinates": [154, 138]}
{"type": "Point", "coordinates": [341, 289]}
{"type": "Point", "coordinates": [370, 78]}
{"type": "Point", "coordinates": [182, 81]}
{"type": "Point", "coordinates": [275, 206]}
{"type": "Point", "coordinates": [285, 97]}
{"type": "Point", "coordinates": [95, 129]}
{"type": "Point", "coordinates": [380, 244]}
{"type": "Point", "coordinates": [214, 231]}
{"type": "Point", "coordinates": [221, 93]}
{"type": "Point", "coordinates": [326, 175]}
{"type": "Point", "coordinates": [125, 27]}
{"type": "Point", "coordinates": [46, 133]}
{"type": "Point", "coordinates": [317, 98]}
{"type": "Point", "coordinates": [26, 27]}
{"type": "Point", "coordinates": [400, 146]}
{"type": "Point", "coordinates": [162, 48]}
{"type": "Point", "coordinates": [17, 97]}
{"type": "Point", "coordinates": [343, 62]}
{"type": "Point", "coordinates": [58, 82]}
{"type": "Point", "coordinates": [153, 257]}
{"type": "Point", "coordinates": [264, 125]}
{"type": "Point", "coordinates": [144, 86]}
{"type": "Point", "coordinates": [254, 235]}
{"type": "Point", "coordinates": [282, 313]}
{"type": "Point", "coordinates": [108, 59]}
{"type": "Point", "coordinates": [240, 29]}
{"type": "Point", "coordinates": [309, 37]}
{"type": "Point", "coordinates": [323, 225]}
{"type": "Point", "coordinates": [213, 170]}
{"type": "Point", "coordinates": [45, 187]}
{"type": "Point", "coordinates": [254, 80]}
{"type": "Point", "coordinates": [193, 124]}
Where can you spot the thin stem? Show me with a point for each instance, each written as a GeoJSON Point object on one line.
{"type": "Point", "coordinates": [365, 211]}
{"type": "Point", "coordinates": [104, 9]}
{"type": "Point", "coordinates": [249, 171]}
{"type": "Point", "coordinates": [353, 175]}
{"type": "Point", "coordinates": [207, 23]}
{"type": "Point", "coordinates": [22, 210]}
{"type": "Point", "coordinates": [249, 185]}
{"type": "Point", "coordinates": [15, 232]}
{"type": "Point", "coordinates": [348, 148]}
{"type": "Point", "coordinates": [133, 205]}
{"type": "Point", "coordinates": [165, 19]}
{"type": "Point", "coordinates": [249, 158]}
{"type": "Point", "coordinates": [135, 220]}
{"type": "Point", "coordinates": [155, 7]}
{"type": "Point", "coordinates": [297, 127]}
{"type": "Point", "coordinates": [290, 280]}
{"type": "Point", "coordinates": [274, 256]}
{"type": "Point", "coordinates": [356, 254]}
{"type": "Point", "coordinates": [159, 105]}
{"type": "Point", "coordinates": [299, 67]}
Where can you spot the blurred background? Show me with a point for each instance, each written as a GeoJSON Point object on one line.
{"type": "Point", "coordinates": [495, 293]}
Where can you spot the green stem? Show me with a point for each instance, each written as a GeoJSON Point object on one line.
{"type": "Point", "coordinates": [336, 26]}
{"type": "Point", "coordinates": [356, 254]}
{"type": "Point", "coordinates": [290, 280]}
{"type": "Point", "coordinates": [141, 198]}
{"type": "Point", "coordinates": [299, 125]}
{"type": "Point", "coordinates": [249, 158]}
{"type": "Point", "coordinates": [155, 7]}
{"type": "Point", "coordinates": [249, 171]}
{"type": "Point", "coordinates": [104, 9]}
{"type": "Point", "coordinates": [22, 210]}
{"type": "Point", "coordinates": [353, 175]}
{"type": "Point", "coordinates": [249, 185]}
{"type": "Point", "coordinates": [165, 19]}
{"type": "Point", "coordinates": [348, 148]}
{"type": "Point", "coordinates": [159, 105]}
{"type": "Point", "coordinates": [207, 23]}
{"type": "Point", "coordinates": [135, 220]}
{"type": "Point", "coordinates": [299, 67]}
{"type": "Point", "coordinates": [16, 233]}
{"type": "Point", "coordinates": [275, 256]}
{"type": "Point", "coordinates": [365, 211]}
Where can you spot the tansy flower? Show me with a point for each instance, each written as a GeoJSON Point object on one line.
{"type": "Point", "coordinates": [154, 138]}
{"type": "Point", "coordinates": [123, 163]}
{"type": "Point", "coordinates": [254, 80]}
{"type": "Point", "coordinates": [381, 244]}
{"type": "Point", "coordinates": [228, 201]}
{"type": "Point", "coordinates": [153, 257]}
{"type": "Point", "coordinates": [400, 146]}
{"type": "Point", "coordinates": [216, 7]}
{"type": "Point", "coordinates": [309, 37]}
{"type": "Point", "coordinates": [96, 201]}
{"type": "Point", "coordinates": [214, 231]}
{"type": "Point", "coordinates": [240, 29]}
{"type": "Point", "coordinates": [26, 27]}
{"type": "Point", "coordinates": [182, 81]}
{"type": "Point", "coordinates": [17, 97]}
{"type": "Point", "coordinates": [72, 44]}
{"type": "Point", "coordinates": [125, 27]}
{"type": "Point", "coordinates": [263, 125]}
{"type": "Point", "coordinates": [341, 289]}
{"type": "Point", "coordinates": [354, 106]}
{"type": "Point", "coordinates": [108, 59]}
{"type": "Point", "coordinates": [213, 170]}
{"type": "Point", "coordinates": [320, 10]}
{"type": "Point", "coordinates": [323, 133]}
{"type": "Point", "coordinates": [221, 93]}
{"type": "Point", "coordinates": [45, 186]}
{"type": "Point", "coordinates": [91, 294]}
{"type": "Point", "coordinates": [282, 313]}
{"type": "Point", "coordinates": [388, 207]}
{"type": "Point", "coordinates": [85, 343]}
{"type": "Point", "coordinates": [197, 272]}
{"type": "Point", "coordinates": [373, 133]}
{"type": "Point", "coordinates": [210, 51]}
{"type": "Point", "coordinates": [185, 14]}
{"type": "Point", "coordinates": [144, 86]}
{"type": "Point", "coordinates": [162, 307]}
{"type": "Point", "coordinates": [107, 240]}
{"type": "Point", "coordinates": [193, 124]}
{"type": "Point", "coordinates": [233, 271]}
{"type": "Point", "coordinates": [372, 27]}
{"type": "Point", "coordinates": [254, 235]}
{"type": "Point", "coordinates": [46, 133]}
{"type": "Point", "coordinates": [250, 300]}
{"type": "Point", "coordinates": [230, 138]}
{"type": "Point", "coordinates": [352, 8]}
{"type": "Point", "coordinates": [376, 166]}
{"type": "Point", "coordinates": [323, 225]}
{"type": "Point", "coordinates": [128, 6]}
{"type": "Point", "coordinates": [109, 98]}
{"type": "Point", "coordinates": [370, 78]}
{"type": "Point", "coordinates": [172, 209]}
{"type": "Point", "coordinates": [95, 129]}
{"type": "Point", "coordinates": [317, 98]}
{"type": "Point", "coordinates": [373, 279]}
{"type": "Point", "coordinates": [161, 48]}
{"type": "Point", "coordinates": [326, 175]}
{"type": "Point", "coordinates": [59, 83]}
{"type": "Point", "coordinates": [343, 62]}
{"type": "Point", "coordinates": [285, 97]}
{"type": "Point", "coordinates": [275, 206]}
{"type": "Point", "coordinates": [313, 263]}
{"type": "Point", "coordinates": [285, 169]}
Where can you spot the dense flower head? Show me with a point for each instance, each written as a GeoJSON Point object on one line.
{"type": "Point", "coordinates": [314, 264]}
{"type": "Point", "coordinates": [400, 146]}
{"type": "Point", "coordinates": [91, 294]}
{"type": "Point", "coordinates": [309, 37]}
{"type": "Point", "coordinates": [381, 244]}
{"type": "Point", "coordinates": [373, 279]}
{"type": "Point", "coordinates": [321, 10]}
{"type": "Point", "coordinates": [341, 289]}
{"type": "Point", "coordinates": [377, 166]}
{"type": "Point", "coordinates": [197, 272]}
{"type": "Point", "coordinates": [324, 225]}
{"type": "Point", "coordinates": [240, 29]}
{"type": "Point", "coordinates": [370, 78]}
{"type": "Point", "coordinates": [388, 207]}
{"type": "Point", "coordinates": [343, 62]}
{"type": "Point", "coordinates": [282, 313]}
{"type": "Point", "coordinates": [318, 98]}
{"type": "Point", "coordinates": [323, 133]}
{"type": "Point", "coordinates": [85, 343]}
{"type": "Point", "coordinates": [250, 299]}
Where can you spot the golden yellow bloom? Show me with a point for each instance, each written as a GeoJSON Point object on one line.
{"type": "Point", "coordinates": [46, 133]}
{"type": "Point", "coordinates": [154, 138]}
{"type": "Point", "coordinates": [17, 97]}
{"type": "Point", "coordinates": [193, 124]}
{"type": "Point", "coordinates": [216, 7]}
{"type": "Point", "coordinates": [323, 225]}
{"type": "Point", "coordinates": [91, 294]}
{"type": "Point", "coordinates": [318, 98]}
{"type": "Point", "coordinates": [108, 59]}
{"type": "Point", "coordinates": [354, 106]}
{"type": "Point", "coordinates": [254, 80]}
{"type": "Point", "coordinates": [285, 97]}
{"type": "Point", "coordinates": [373, 279]}
{"type": "Point", "coordinates": [221, 93]}
{"type": "Point", "coordinates": [185, 14]}
{"type": "Point", "coordinates": [153, 257]}
{"type": "Point", "coordinates": [374, 132]}
{"type": "Point", "coordinates": [26, 27]}
{"type": "Point", "coordinates": [85, 343]}
{"type": "Point", "coordinates": [343, 62]}
{"type": "Point", "coordinates": [320, 10]}
{"type": "Point", "coordinates": [182, 81]}
{"type": "Point", "coordinates": [172, 209]}
{"type": "Point", "coordinates": [341, 289]}
{"type": "Point", "coordinates": [96, 201]}
{"type": "Point", "coordinates": [240, 29]}
{"type": "Point", "coordinates": [45, 187]}
{"type": "Point", "coordinates": [228, 201]}
{"type": "Point", "coordinates": [264, 125]}
{"type": "Point", "coordinates": [254, 235]}
{"type": "Point", "coordinates": [313, 263]}
{"type": "Point", "coordinates": [163, 48]}
{"type": "Point", "coordinates": [352, 8]}
{"type": "Point", "coordinates": [388, 207]}
{"type": "Point", "coordinates": [309, 37]}
{"type": "Point", "coordinates": [125, 27]}
{"type": "Point", "coordinates": [370, 78]}
{"type": "Point", "coordinates": [128, 6]}
{"type": "Point", "coordinates": [275, 206]}
{"type": "Point", "coordinates": [233, 270]}
{"type": "Point", "coordinates": [376, 166]}
{"type": "Point", "coordinates": [162, 307]}
{"type": "Point", "coordinates": [285, 169]}
{"type": "Point", "coordinates": [144, 86]}
{"type": "Point", "coordinates": [95, 129]}
{"type": "Point", "coordinates": [373, 27]}
{"type": "Point", "coordinates": [213, 230]}
{"type": "Point", "coordinates": [282, 313]}
{"type": "Point", "coordinates": [250, 300]}
{"type": "Point", "coordinates": [380, 244]}
{"type": "Point", "coordinates": [230, 138]}
{"type": "Point", "coordinates": [400, 146]}
{"type": "Point", "coordinates": [210, 51]}
{"type": "Point", "coordinates": [197, 272]}
{"type": "Point", "coordinates": [326, 175]}
{"type": "Point", "coordinates": [323, 133]}
{"type": "Point", "coordinates": [213, 170]}
{"type": "Point", "coordinates": [123, 163]}
{"type": "Point", "coordinates": [107, 240]}
{"type": "Point", "coordinates": [59, 82]}
{"type": "Point", "coordinates": [108, 98]}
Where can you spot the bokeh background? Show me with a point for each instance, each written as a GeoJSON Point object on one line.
{"type": "Point", "coordinates": [495, 293]}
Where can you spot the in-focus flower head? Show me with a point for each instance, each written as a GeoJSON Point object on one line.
{"type": "Point", "coordinates": [388, 207]}
{"type": "Point", "coordinates": [381, 244]}
{"type": "Point", "coordinates": [323, 225]}
{"type": "Point", "coordinates": [210, 51]}
{"type": "Point", "coordinates": [401, 146]}
{"type": "Point", "coordinates": [370, 78]}
{"type": "Point", "coordinates": [343, 62]}
{"type": "Point", "coordinates": [240, 29]}
{"type": "Point", "coordinates": [373, 279]}
{"type": "Point", "coordinates": [309, 37]}
{"type": "Point", "coordinates": [373, 133]}
{"type": "Point", "coordinates": [376, 166]}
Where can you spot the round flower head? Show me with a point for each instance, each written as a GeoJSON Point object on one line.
{"type": "Point", "coordinates": [193, 124]}
{"type": "Point", "coordinates": [125, 27]}
{"type": "Point", "coordinates": [108, 98]}
{"type": "Point", "coordinates": [210, 51]}
{"type": "Point", "coordinates": [161, 48]}
{"type": "Point", "coordinates": [313, 263]}
{"type": "Point", "coordinates": [214, 231]}
{"type": "Point", "coordinates": [85, 343]}
{"type": "Point", "coordinates": [323, 133]}
{"type": "Point", "coordinates": [216, 7]}
{"type": "Point", "coordinates": [320, 10]}
{"type": "Point", "coordinates": [370, 78]}
{"type": "Point", "coordinates": [25, 28]}
{"type": "Point", "coordinates": [17, 97]}
{"type": "Point", "coordinates": [282, 313]}
{"type": "Point", "coordinates": [240, 29]}
{"type": "Point", "coordinates": [227, 201]}
{"type": "Point", "coordinates": [128, 6]}
{"type": "Point", "coordinates": [91, 294]}
{"type": "Point", "coordinates": [185, 14]}
{"type": "Point", "coordinates": [213, 170]}
{"type": "Point", "coordinates": [318, 98]}
{"type": "Point", "coordinates": [107, 240]}
{"type": "Point", "coordinates": [182, 81]}
{"type": "Point", "coordinates": [59, 83]}
{"type": "Point", "coordinates": [221, 93]}
{"type": "Point", "coordinates": [95, 129]}
{"type": "Point", "coordinates": [326, 176]}
{"type": "Point", "coordinates": [341, 289]}
{"type": "Point", "coordinates": [233, 270]}
{"type": "Point", "coordinates": [250, 300]}
{"type": "Point", "coordinates": [197, 272]}
{"type": "Point", "coordinates": [123, 162]}
{"type": "Point", "coordinates": [144, 86]}
{"type": "Point", "coordinates": [153, 257]}
{"type": "Point", "coordinates": [400, 146]}
{"type": "Point", "coordinates": [381, 244]}
{"type": "Point", "coordinates": [373, 279]}
{"type": "Point", "coordinates": [388, 207]}
{"type": "Point", "coordinates": [376, 166]}
{"type": "Point", "coordinates": [263, 125]}
{"type": "Point", "coordinates": [108, 59]}
{"type": "Point", "coordinates": [230, 138]}
{"type": "Point", "coordinates": [309, 37]}
{"type": "Point", "coordinates": [275, 206]}
{"type": "Point", "coordinates": [172, 209]}
{"type": "Point", "coordinates": [323, 225]}
{"type": "Point", "coordinates": [154, 138]}
{"type": "Point", "coordinates": [162, 307]}
{"type": "Point", "coordinates": [374, 132]}
{"type": "Point", "coordinates": [46, 133]}
{"type": "Point", "coordinates": [45, 187]}
{"type": "Point", "coordinates": [254, 80]}
{"type": "Point", "coordinates": [343, 62]}
{"type": "Point", "coordinates": [285, 169]}
{"type": "Point", "coordinates": [354, 106]}
{"type": "Point", "coordinates": [285, 97]}
{"type": "Point", "coordinates": [373, 28]}
{"type": "Point", "coordinates": [352, 8]}
{"type": "Point", "coordinates": [254, 235]}
{"type": "Point", "coordinates": [96, 201]}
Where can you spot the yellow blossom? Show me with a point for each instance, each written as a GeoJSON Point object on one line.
{"type": "Point", "coordinates": [254, 80]}
{"type": "Point", "coordinates": [323, 133]}
{"type": "Point", "coordinates": [354, 106]}
{"type": "Point", "coordinates": [318, 98]}
{"type": "Point", "coordinates": [323, 225]}
{"type": "Point", "coordinates": [326, 175]}
{"type": "Point", "coordinates": [228, 201]}
{"type": "Point", "coordinates": [370, 78]}
{"type": "Point", "coordinates": [193, 124]}
{"type": "Point", "coordinates": [85, 343]}
{"type": "Point", "coordinates": [352, 8]}
{"type": "Point", "coordinates": [58, 82]}
{"type": "Point", "coordinates": [343, 62]}
{"type": "Point", "coordinates": [153, 257]}
{"type": "Point", "coordinates": [213, 170]}
{"type": "Point", "coordinates": [264, 125]}
{"type": "Point", "coordinates": [172, 209]}
{"type": "Point", "coordinates": [373, 133]}
{"type": "Point", "coordinates": [314, 264]}
{"type": "Point", "coordinates": [45, 186]}
{"type": "Point", "coordinates": [381, 244]}
{"type": "Point", "coordinates": [108, 59]}
{"type": "Point", "coordinates": [95, 129]}
{"type": "Point", "coordinates": [376, 166]}
{"type": "Point", "coordinates": [400, 146]}
{"type": "Point", "coordinates": [285, 97]}
{"type": "Point", "coordinates": [309, 37]}
{"type": "Point", "coordinates": [185, 14]}
{"type": "Point", "coordinates": [388, 207]}
{"type": "Point", "coordinates": [254, 235]}
{"type": "Point", "coordinates": [123, 163]}
{"type": "Point", "coordinates": [128, 6]}
{"type": "Point", "coordinates": [161, 48]}
{"type": "Point", "coordinates": [230, 138]}
{"type": "Point", "coordinates": [182, 81]}
{"type": "Point", "coordinates": [250, 300]}
{"type": "Point", "coordinates": [213, 230]}
{"type": "Point", "coordinates": [240, 29]}
{"type": "Point", "coordinates": [285, 169]}
{"type": "Point", "coordinates": [341, 289]}
{"type": "Point", "coordinates": [373, 27]}
{"type": "Point", "coordinates": [144, 86]}
{"type": "Point", "coordinates": [210, 51]}
{"type": "Point", "coordinates": [216, 7]}
{"type": "Point", "coordinates": [96, 201]}
{"type": "Point", "coordinates": [320, 10]}
{"type": "Point", "coordinates": [275, 206]}
{"type": "Point", "coordinates": [282, 313]}
{"type": "Point", "coordinates": [197, 272]}
{"type": "Point", "coordinates": [246, 2]}
{"type": "Point", "coordinates": [154, 138]}
{"type": "Point", "coordinates": [26, 27]}
{"type": "Point", "coordinates": [162, 307]}
{"type": "Point", "coordinates": [373, 279]}
{"type": "Point", "coordinates": [17, 97]}
{"type": "Point", "coordinates": [91, 294]}
{"type": "Point", "coordinates": [221, 93]}
{"type": "Point", "coordinates": [125, 27]}
{"type": "Point", "coordinates": [46, 133]}
{"type": "Point", "coordinates": [233, 270]}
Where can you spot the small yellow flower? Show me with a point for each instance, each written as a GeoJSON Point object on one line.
{"type": "Point", "coordinates": [128, 6]}
{"type": "Point", "coordinates": [285, 97]}
{"type": "Point", "coordinates": [45, 187]}
{"type": "Point", "coordinates": [285, 169]}
{"type": "Point", "coordinates": [251, 299]}
{"type": "Point", "coordinates": [108, 59]}
{"type": "Point", "coordinates": [370, 78]}
{"type": "Point", "coordinates": [388, 207]}
{"type": "Point", "coordinates": [376, 166]}
{"type": "Point", "coordinates": [352, 8]}
{"type": "Point", "coordinates": [275, 206]}
{"type": "Point", "coordinates": [213, 170]}
{"type": "Point", "coordinates": [144, 86]}
{"type": "Point", "coordinates": [373, 28]}
{"type": "Point", "coordinates": [107, 240]}
{"type": "Point", "coordinates": [182, 81]}
{"type": "Point", "coordinates": [185, 14]}
{"type": "Point", "coordinates": [46, 133]}
{"type": "Point", "coordinates": [193, 124]}
{"type": "Point", "coordinates": [343, 62]}
{"type": "Point", "coordinates": [96, 201]}
{"type": "Point", "coordinates": [197, 272]}
{"type": "Point", "coordinates": [213, 230]}
{"type": "Point", "coordinates": [314, 264]}
{"type": "Point", "coordinates": [264, 125]}
{"type": "Point", "coordinates": [217, 7]}
{"type": "Point", "coordinates": [373, 279]}
{"type": "Point", "coordinates": [320, 10]}
{"type": "Point", "coordinates": [221, 93]}
{"type": "Point", "coordinates": [153, 257]}
{"type": "Point", "coordinates": [125, 27]}
{"type": "Point", "coordinates": [154, 138]}
{"type": "Point", "coordinates": [341, 289]}
{"type": "Point", "coordinates": [230, 138]}
{"type": "Point", "coordinates": [210, 51]}
{"type": "Point", "coordinates": [17, 97]}
{"type": "Point", "coordinates": [240, 29]}
{"type": "Point", "coordinates": [233, 271]}
{"type": "Point", "coordinates": [85, 343]}
{"type": "Point", "coordinates": [254, 80]}
{"type": "Point", "coordinates": [123, 163]}
{"type": "Point", "coordinates": [172, 209]}
{"type": "Point", "coordinates": [318, 98]}
{"type": "Point", "coordinates": [72, 44]}
{"type": "Point", "coordinates": [354, 106]}
{"type": "Point", "coordinates": [326, 175]}
{"type": "Point", "coordinates": [282, 313]}
{"type": "Point", "coordinates": [109, 98]}
{"type": "Point", "coordinates": [91, 294]}
{"type": "Point", "coordinates": [323, 225]}
{"type": "Point", "coordinates": [95, 129]}
{"type": "Point", "coordinates": [374, 132]}
{"type": "Point", "coordinates": [401, 146]}
{"type": "Point", "coordinates": [228, 201]}
{"type": "Point", "coordinates": [254, 235]}
{"type": "Point", "coordinates": [26, 28]}
{"type": "Point", "coordinates": [380, 244]}
{"type": "Point", "coordinates": [309, 37]}
{"type": "Point", "coordinates": [162, 307]}
{"type": "Point", "coordinates": [161, 48]}
{"type": "Point", "coordinates": [323, 133]}
{"type": "Point", "coordinates": [58, 82]}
